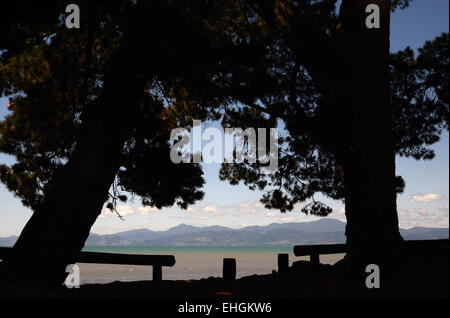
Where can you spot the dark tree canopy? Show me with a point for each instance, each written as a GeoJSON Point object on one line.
{"type": "Point", "coordinates": [307, 162]}
{"type": "Point", "coordinates": [212, 60]}
{"type": "Point", "coordinates": [199, 60]}
{"type": "Point", "coordinates": [420, 97]}
{"type": "Point", "coordinates": [53, 82]}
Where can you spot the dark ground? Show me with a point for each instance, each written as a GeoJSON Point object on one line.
{"type": "Point", "coordinates": [424, 276]}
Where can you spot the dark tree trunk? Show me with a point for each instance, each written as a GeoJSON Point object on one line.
{"type": "Point", "coordinates": [369, 160]}
{"type": "Point", "coordinates": [61, 224]}
{"type": "Point", "coordinates": [351, 71]}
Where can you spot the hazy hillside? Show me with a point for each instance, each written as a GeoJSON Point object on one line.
{"type": "Point", "coordinates": [275, 234]}
{"type": "Point", "coordinates": [8, 241]}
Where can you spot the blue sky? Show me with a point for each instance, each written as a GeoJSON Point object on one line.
{"type": "Point", "coordinates": [424, 202]}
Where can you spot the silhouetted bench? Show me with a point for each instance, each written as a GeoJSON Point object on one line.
{"type": "Point", "coordinates": [157, 261]}
{"type": "Point", "coordinates": [313, 251]}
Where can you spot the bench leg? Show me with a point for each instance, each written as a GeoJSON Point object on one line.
{"type": "Point", "coordinates": [229, 269]}
{"type": "Point", "coordinates": [314, 258]}
{"type": "Point", "coordinates": [157, 273]}
{"type": "Point", "coordinates": [283, 263]}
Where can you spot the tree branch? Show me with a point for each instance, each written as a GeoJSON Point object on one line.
{"type": "Point", "coordinates": [257, 107]}
{"type": "Point", "coordinates": [318, 52]}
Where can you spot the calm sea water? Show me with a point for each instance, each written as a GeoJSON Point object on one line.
{"type": "Point", "coordinates": [191, 262]}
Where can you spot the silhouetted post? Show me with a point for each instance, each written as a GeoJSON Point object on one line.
{"type": "Point", "coordinates": [229, 269]}
{"type": "Point", "coordinates": [157, 273]}
{"type": "Point", "coordinates": [314, 258]}
{"type": "Point", "coordinates": [283, 263]}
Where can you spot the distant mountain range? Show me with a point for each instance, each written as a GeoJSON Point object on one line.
{"type": "Point", "coordinates": [276, 234]}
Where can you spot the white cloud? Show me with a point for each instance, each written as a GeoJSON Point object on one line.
{"type": "Point", "coordinates": [242, 209]}
{"type": "Point", "coordinates": [411, 217]}
{"type": "Point", "coordinates": [250, 207]}
{"type": "Point", "coordinates": [202, 208]}
{"type": "Point", "coordinates": [412, 220]}
{"type": "Point", "coordinates": [426, 198]}
{"type": "Point", "coordinates": [413, 211]}
{"type": "Point", "coordinates": [211, 209]}
{"type": "Point", "coordinates": [144, 210]}
{"type": "Point", "coordinates": [443, 208]}
{"type": "Point", "coordinates": [121, 209]}
{"type": "Point", "coordinates": [124, 210]}
{"type": "Point", "coordinates": [287, 219]}
{"type": "Point", "coordinates": [422, 212]}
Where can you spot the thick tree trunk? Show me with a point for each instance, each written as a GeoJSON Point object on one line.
{"type": "Point", "coordinates": [352, 74]}
{"type": "Point", "coordinates": [61, 224]}
{"type": "Point", "coordinates": [369, 160]}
